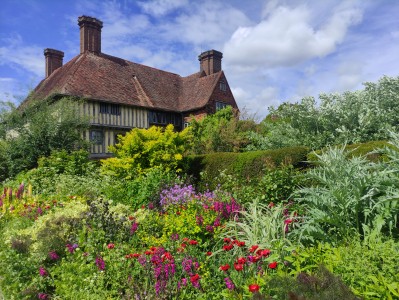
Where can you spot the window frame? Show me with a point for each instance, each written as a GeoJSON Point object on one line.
{"type": "Point", "coordinates": [96, 136]}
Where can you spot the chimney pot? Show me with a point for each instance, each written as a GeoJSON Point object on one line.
{"type": "Point", "coordinates": [210, 61]}
{"type": "Point", "coordinates": [90, 34]}
{"type": "Point", "coordinates": [54, 60]}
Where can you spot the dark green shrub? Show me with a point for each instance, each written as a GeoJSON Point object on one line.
{"type": "Point", "coordinates": [246, 165]}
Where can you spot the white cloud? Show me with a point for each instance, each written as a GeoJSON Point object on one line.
{"type": "Point", "coordinates": [16, 54]}
{"type": "Point", "coordinates": [206, 24]}
{"type": "Point", "coordinates": [161, 7]}
{"type": "Point", "coordinates": [287, 37]}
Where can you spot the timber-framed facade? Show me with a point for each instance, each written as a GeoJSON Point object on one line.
{"type": "Point", "coordinates": [120, 95]}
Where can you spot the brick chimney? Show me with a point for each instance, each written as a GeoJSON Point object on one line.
{"type": "Point", "coordinates": [90, 34]}
{"type": "Point", "coordinates": [53, 60]}
{"type": "Point", "coordinates": [210, 61]}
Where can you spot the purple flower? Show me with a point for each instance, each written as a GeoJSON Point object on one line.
{"type": "Point", "coordinates": [42, 272]}
{"type": "Point", "coordinates": [174, 237]}
{"type": "Point", "coordinates": [53, 255]}
{"type": "Point", "coordinates": [142, 260]}
{"type": "Point", "coordinates": [178, 194]}
{"type": "Point", "coordinates": [20, 191]}
{"type": "Point", "coordinates": [209, 228]}
{"type": "Point", "coordinates": [72, 248]}
{"type": "Point", "coordinates": [229, 283]}
{"type": "Point", "coordinates": [100, 263]}
{"type": "Point", "coordinates": [187, 264]}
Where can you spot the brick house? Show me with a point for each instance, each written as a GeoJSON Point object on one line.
{"type": "Point", "coordinates": [120, 95]}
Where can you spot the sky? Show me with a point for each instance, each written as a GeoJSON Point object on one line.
{"type": "Point", "coordinates": [274, 51]}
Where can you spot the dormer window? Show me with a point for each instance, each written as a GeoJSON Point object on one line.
{"type": "Point", "coordinates": [223, 85]}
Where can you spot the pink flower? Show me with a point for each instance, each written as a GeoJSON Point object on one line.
{"type": "Point", "coordinates": [111, 246]}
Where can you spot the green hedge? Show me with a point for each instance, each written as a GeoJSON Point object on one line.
{"type": "Point", "coordinates": [359, 150]}
{"type": "Point", "coordinates": [247, 164]}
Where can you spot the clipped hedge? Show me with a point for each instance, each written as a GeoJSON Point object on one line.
{"type": "Point", "coordinates": [247, 164]}
{"type": "Point", "coordinates": [364, 149]}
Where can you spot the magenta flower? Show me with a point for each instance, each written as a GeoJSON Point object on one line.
{"type": "Point", "coordinates": [72, 248]}
{"type": "Point", "coordinates": [134, 228]}
{"type": "Point", "coordinates": [229, 284]}
{"type": "Point", "coordinates": [100, 263]}
{"type": "Point", "coordinates": [42, 272]}
{"type": "Point", "coordinates": [42, 296]}
{"type": "Point", "coordinates": [53, 255]}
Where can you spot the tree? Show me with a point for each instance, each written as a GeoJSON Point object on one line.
{"type": "Point", "coordinates": [219, 132]}
{"type": "Point", "coordinates": [30, 132]}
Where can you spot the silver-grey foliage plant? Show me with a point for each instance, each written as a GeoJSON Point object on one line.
{"type": "Point", "coordinates": [348, 197]}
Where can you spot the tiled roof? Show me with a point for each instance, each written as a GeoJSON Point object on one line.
{"type": "Point", "coordinates": [111, 79]}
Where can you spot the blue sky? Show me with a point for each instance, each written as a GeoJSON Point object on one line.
{"type": "Point", "coordinates": [274, 51]}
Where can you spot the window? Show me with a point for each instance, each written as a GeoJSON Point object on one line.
{"type": "Point", "coordinates": [96, 137]}
{"type": "Point", "coordinates": [220, 105]}
{"type": "Point", "coordinates": [223, 85]}
{"type": "Point", "coordinates": [113, 109]}
{"type": "Point", "coordinates": [103, 108]}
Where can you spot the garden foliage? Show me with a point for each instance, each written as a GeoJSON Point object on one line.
{"type": "Point", "coordinates": [251, 227]}
{"type": "Point", "coordinates": [142, 149]}
{"type": "Point", "coordinates": [350, 117]}
{"type": "Point", "coordinates": [34, 131]}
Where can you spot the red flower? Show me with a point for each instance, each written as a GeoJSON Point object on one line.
{"type": "Point", "coordinates": [240, 244]}
{"type": "Point", "coordinates": [227, 240]}
{"type": "Point", "coordinates": [273, 265]}
{"type": "Point", "coordinates": [254, 259]}
{"type": "Point", "coordinates": [265, 252]}
{"type": "Point", "coordinates": [153, 249]}
{"type": "Point", "coordinates": [288, 221]}
{"type": "Point", "coordinates": [271, 204]}
{"type": "Point", "coordinates": [253, 288]}
{"type": "Point", "coordinates": [148, 252]}
{"type": "Point", "coordinates": [209, 253]}
{"type": "Point", "coordinates": [194, 279]}
{"type": "Point", "coordinates": [228, 247]}
{"type": "Point", "coordinates": [238, 267]}
{"type": "Point", "coordinates": [241, 260]}
{"type": "Point", "coordinates": [178, 213]}
{"type": "Point", "coordinates": [111, 246]}
{"type": "Point", "coordinates": [167, 256]}
{"type": "Point", "coordinates": [131, 218]}
{"type": "Point", "coordinates": [185, 239]}
{"type": "Point", "coordinates": [193, 242]}
{"type": "Point", "coordinates": [183, 245]}
{"type": "Point", "coordinates": [224, 267]}
{"type": "Point", "coordinates": [253, 248]}
{"type": "Point", "coordinates": [135, 255]}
